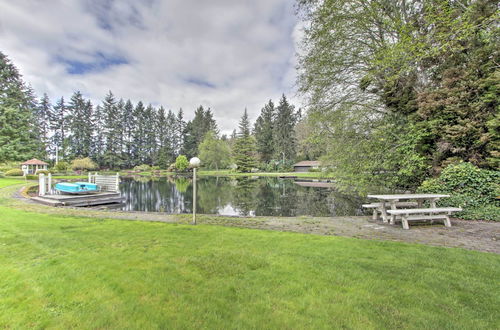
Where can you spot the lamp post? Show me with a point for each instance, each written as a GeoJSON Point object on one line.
{"type": "Point", "coordinates": [195, 163]}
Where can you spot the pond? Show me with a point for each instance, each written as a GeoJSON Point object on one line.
{"type": "Point", "coordinates": [243, 196]}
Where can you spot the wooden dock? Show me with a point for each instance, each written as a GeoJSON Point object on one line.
{"type": "Point", "coordinates": [100, 198]}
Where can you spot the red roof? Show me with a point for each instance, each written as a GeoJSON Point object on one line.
{"type": "Point", "coordinates": [34, 161]}
{"type": "Point", "coordinates": [308, 163]}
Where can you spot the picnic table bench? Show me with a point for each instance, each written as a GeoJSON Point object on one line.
{"type": "Point", "coordinates": [436, 213]}
{"type": "Point", "coordinates": [410, 214]}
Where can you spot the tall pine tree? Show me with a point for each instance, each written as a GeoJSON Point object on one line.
{"type": "Point", "coordinates": [244, 149]}
{"type": "Point", "coordinates": [129, 122]}
{"type": "Point", "coordinates": [111, 132]}
{"type": "Point", "coordinates": [79, 126]}
{"type": "Point", "coordinates": [263, 132]}
{"type": "Point", "coordinates": [19, 138]}
{"type": "Point", "coordinates": [284, 131]}
{"type": "Point", "coordinates": [44, 115]}
{"type": "Point", "coordinates": [58, 125]}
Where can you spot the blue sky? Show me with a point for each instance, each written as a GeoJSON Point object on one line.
{"type": "Point", "coordinates": [222, 54]}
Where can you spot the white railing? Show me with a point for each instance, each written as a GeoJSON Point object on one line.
{"type": "Point", "coordinates": [106, 182]}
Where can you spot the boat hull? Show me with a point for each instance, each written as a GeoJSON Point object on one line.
{"type": "Point", "coordinates": [80, 188]}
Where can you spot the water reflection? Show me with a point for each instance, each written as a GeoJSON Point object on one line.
{"type": "Point", "coordinates": [246, 196]}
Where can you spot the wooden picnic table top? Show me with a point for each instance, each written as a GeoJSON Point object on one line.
{"type": "Point", "coordinates": [407, 196]}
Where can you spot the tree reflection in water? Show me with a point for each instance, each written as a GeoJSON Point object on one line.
{"type": "Point", "coordinates": [246, 196]}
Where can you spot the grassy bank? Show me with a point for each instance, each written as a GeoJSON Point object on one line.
{"type": "Point", "coordinates": [4, 182]}
{"type": "Point", "coordinates": [62, 271]}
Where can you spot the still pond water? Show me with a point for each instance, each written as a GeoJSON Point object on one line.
{"type": "Point", "coordinates": [246, 196]}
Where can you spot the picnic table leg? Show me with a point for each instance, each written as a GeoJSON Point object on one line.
{"type": "Point", "coordinates": [393, 207]}
{"type": "Point", "coordinates": [375, 214]}
{"type": "Point", "coordinates": [447, 222]}
{"type": "Point", "coordinates": [404, 222]}
{"type": "Point", "coordinates": [433, 205]}
{"type": "Point", "coordinates": [383, 211]}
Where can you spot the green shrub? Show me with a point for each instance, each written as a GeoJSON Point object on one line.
{"type": "Point", "coordinates": [181, 163]}
{"type": "Point", "coordinates": [31, 177]}
{"type": "Point", "coordinates": [83, 164]}
{"type": "Point", "coordinates": [42, 172]}
{"type": "Point", "coordinates": [472, 188]}
{"type": "Point", "coordinates": [5, 166]}
{"type": "Point", "coordinates": [2, 175]}
{"type": "Point", "coordinates": [61, 166]}
{"type": "Point", "coordinates": [14, 172]}
{"type": "Point", "coordinates": [142, 168]}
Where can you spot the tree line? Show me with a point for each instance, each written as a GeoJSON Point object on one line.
{"type": "Point", "coordinates": [120, 134]}
{"type": "Point", "coordinates": [398, 90]}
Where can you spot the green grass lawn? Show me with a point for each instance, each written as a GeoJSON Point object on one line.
{"type": "Point", "coordinates": [66, 272]}
{"type": "Point", "coordinates": [4, 182]}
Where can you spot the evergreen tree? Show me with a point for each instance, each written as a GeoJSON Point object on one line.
{"type": "Point", "coordinates": [195, 131]}
{"type": "Point", "coordinates": [263, 132]}
{"type": "Point", "coordinates": [44, 115]}
{"type": "Point", "coordinates": [129, 122]}
{"type": "Point", "coordinates": [79, 126]}
{"type": "Point", "coordinates": [150, 136]}
{"type": "Point", "coordinates": [179, 133]}
{"type": "Point", "coordinates": [98, 136]}
{"type": "Point", "coordinates": [139, 143]}
{"type": "Point", "coordinates": [165, 127]}
{"type": "Point", "coordinates": [19, 138]}
{"type": "Point", "coordinates": [58, 125]}
{"type": "Point", "coordinates": [284, 131]}
{"type": "Point", "coordinates": [244, 148]}
{"type": "Point", "coordinates": [111, 132]}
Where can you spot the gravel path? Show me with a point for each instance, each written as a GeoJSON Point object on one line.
{"type": "Point", "coordinates": [472, 235]}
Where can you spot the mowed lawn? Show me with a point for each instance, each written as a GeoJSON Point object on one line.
{"type": "Point", "coordinates": [4, 182]}
{"type": "Point", "coordinates": [64, 272]}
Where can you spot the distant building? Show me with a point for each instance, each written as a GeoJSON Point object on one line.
{"type": "Point", "coordinates": [33, 165]}
{"type": "Point", "coordinates": [306, 166]}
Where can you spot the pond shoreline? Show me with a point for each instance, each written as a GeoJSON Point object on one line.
{"type": "Point", "coordinates": [467, 234]}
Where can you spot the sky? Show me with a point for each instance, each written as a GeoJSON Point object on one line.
{"type": "Point", "coordinates": [222, 54]}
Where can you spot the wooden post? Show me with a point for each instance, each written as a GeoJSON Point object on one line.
{"type": "Point", "coordinates": [90, 177]}
{"type": "Point", "coordinates": [41, 185]}
{"type": "Point", "coordinates": [49, 183]}
{"type": "Point", "coordinates": [117, 189]}
{"type": "Point", "coordinates": [194, 196]}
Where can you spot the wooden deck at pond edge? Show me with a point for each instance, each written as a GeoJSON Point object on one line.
{"type": "Point", "coordinates": [101, 198]}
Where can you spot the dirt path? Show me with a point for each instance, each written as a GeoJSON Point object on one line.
{"type": "Point", "coordinates": [472, 235]}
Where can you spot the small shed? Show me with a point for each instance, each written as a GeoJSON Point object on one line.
{"type": "Point", "coordinates": [306, 165]}
{"type": "Point", "coordinates": [33, 165]}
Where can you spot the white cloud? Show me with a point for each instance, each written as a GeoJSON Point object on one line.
{"type": "Point", "coordinates": [221, 53]}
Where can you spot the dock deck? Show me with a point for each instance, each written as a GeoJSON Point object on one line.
{"type": "Point", "coordinates": [100, 198]}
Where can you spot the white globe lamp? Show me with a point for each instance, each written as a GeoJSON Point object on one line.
{"type": "Point", "coordinates": [195, 162]}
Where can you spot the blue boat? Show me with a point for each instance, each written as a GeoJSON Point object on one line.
{"type": "Point", "coordinates": [77, 187]}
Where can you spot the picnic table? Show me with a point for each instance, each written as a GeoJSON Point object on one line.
{"type": "Point", "coordinates": [394, 200]}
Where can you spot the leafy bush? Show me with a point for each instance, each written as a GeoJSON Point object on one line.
{"type": "Point", "coordinates": [42, 172]}
{"type": "Point", "coordinates": [5, 166]}
{"type": "Point", "coordinates": [2, 175]}
{"type": "Point", "coordinates": [181, 163]}
{"type": "Point", "coordinates": [14, 172]}
{"type": "Point", "coordinates": [32, 177]}
{"type": "Point", "coordinates": [142, 168]}
{"type": "Point", "coordinates": [61, 166]}
{"type": "Point", "coordinates": [473, 189]}
{"type": "Point", "coordinates": [83, 164]}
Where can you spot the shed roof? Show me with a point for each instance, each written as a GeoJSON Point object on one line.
{"type": "Point", "coordinates": [34, 161]}
{"type": "Point", "coordinates": [308, 163]}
